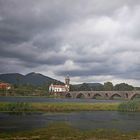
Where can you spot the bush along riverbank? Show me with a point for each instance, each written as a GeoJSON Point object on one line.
{"type": "Point", "coordinates": [131, 106]}
{"type": "Point", "coordinates": [16, 108]}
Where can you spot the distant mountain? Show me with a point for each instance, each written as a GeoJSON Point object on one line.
{"type": "Point", "coordinates": [33, 78]}
{"type": "Point", "coordinates": [11, 77]}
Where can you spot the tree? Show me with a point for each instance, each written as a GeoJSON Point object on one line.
{"type": "Point", "coordinates": [137, 88]}
{"type": "Point", "coordinates": [108, 86]}
{"type": "Point", "coordinates": [123, 87]}
{"type": "Point", "coordinates": [73, 88]}
{"type": "Point", "coordinates": [84, 87]}
{"type": "Point", "coordinates": [97, 88]}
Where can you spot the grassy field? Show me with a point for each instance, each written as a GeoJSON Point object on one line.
{"type": "Point", "coordinates": [56, 107]}
{"type": "Point", "coordinates": [64, 131]}
{"type": "Point", "coordinates": [60, 107]}
{"type": "Point", "coordinates": [133, 105]}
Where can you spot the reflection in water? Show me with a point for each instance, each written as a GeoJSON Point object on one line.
{"type": "Point", "coordinates": [81, 120]}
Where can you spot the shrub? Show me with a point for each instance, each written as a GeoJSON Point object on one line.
{"type": "Point", "coordinates": [132, 106]}
{"type": "Point", "coordinates": [19, 107]}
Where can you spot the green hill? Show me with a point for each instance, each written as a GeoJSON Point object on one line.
{"type": "Point", "coordinates": [35, 79]}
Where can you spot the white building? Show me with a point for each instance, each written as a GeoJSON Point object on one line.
{"type": "Point", "coordinates": [60, 88]}
{"type": "Point", "coordinates": [57, 88]}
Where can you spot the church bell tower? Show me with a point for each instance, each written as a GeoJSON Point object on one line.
{"type": "Point", "coordinates": [67, 83]}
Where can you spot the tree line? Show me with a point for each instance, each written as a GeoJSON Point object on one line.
{"type": "Point", "coordinates": [107, 86]}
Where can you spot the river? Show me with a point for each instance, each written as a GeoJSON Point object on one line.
{"type": "Point", "coordinates": [45, 99]}
{"type": "Point", "coordinates": [86, 120]}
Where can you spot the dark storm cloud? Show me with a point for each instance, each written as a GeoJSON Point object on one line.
{"type": "Point", "coordinates": [87, 72]}
{"type": "Point", "coordinates": [32, 58]}
{"type": "Point", "coordinates": [79, 38]}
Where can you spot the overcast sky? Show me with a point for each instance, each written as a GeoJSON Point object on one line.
{"type": "Point", "coordinates": [89, 40]}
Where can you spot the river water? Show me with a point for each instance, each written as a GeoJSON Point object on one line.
{"type": "Point", "coordinates": [86, 120]}
{"type": "Point", "coordinates": [45, 99]}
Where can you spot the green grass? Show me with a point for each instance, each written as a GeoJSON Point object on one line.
{"type": "Point", "coordinates": [66, 107]}
{"type": "Point", "coordinates": [130, 106]}
{"type": "Point", "coordinates": [56, 107]}
{"type": "Point", "coordinates": [18, 107]}
{"type": "Point", "coordinates": [64, 131]}
{"type": "Point", "coordinates": [60, 107]}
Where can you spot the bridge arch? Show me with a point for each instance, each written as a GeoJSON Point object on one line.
{"type": "Point", "coordinates": [68, 95]}
{"type": "Point", "coordinates": [80, 95]}
{"type": "Point", "coordinates": [133, 96]}
{"type": "Point", "coordinates": [126, 95]}
{"type": "Point", "coordinates": [115, 95]}
{"type": "Point", "coordinates": [106, 95]}
{"type": "Point", "coordinates": [96, 95]}
{"type": "Point", "coordinates": [88, 94]}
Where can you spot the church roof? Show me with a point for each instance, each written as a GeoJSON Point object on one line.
{"type": "Point", "coordinates": [58, 86]}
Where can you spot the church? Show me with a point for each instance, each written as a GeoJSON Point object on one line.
{"type": "Point", "coordinates": [60, 88]}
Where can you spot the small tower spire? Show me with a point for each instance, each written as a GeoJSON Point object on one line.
{"type": "Point", "coordinates": [67, 82]}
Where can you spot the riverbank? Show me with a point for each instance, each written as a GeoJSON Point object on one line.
{"type": "Point", "coordinates": [64, 131]}
{"type": "Point", "coordinates": [56, 107]}
{"type": "Point", "coordinates": [127, 106]}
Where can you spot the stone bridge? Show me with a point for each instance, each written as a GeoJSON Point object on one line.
{"type": "Point", "coordinates": [103, 94]}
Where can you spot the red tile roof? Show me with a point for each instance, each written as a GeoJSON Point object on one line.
{"type": "Point", "coordinates": [4, 85]}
